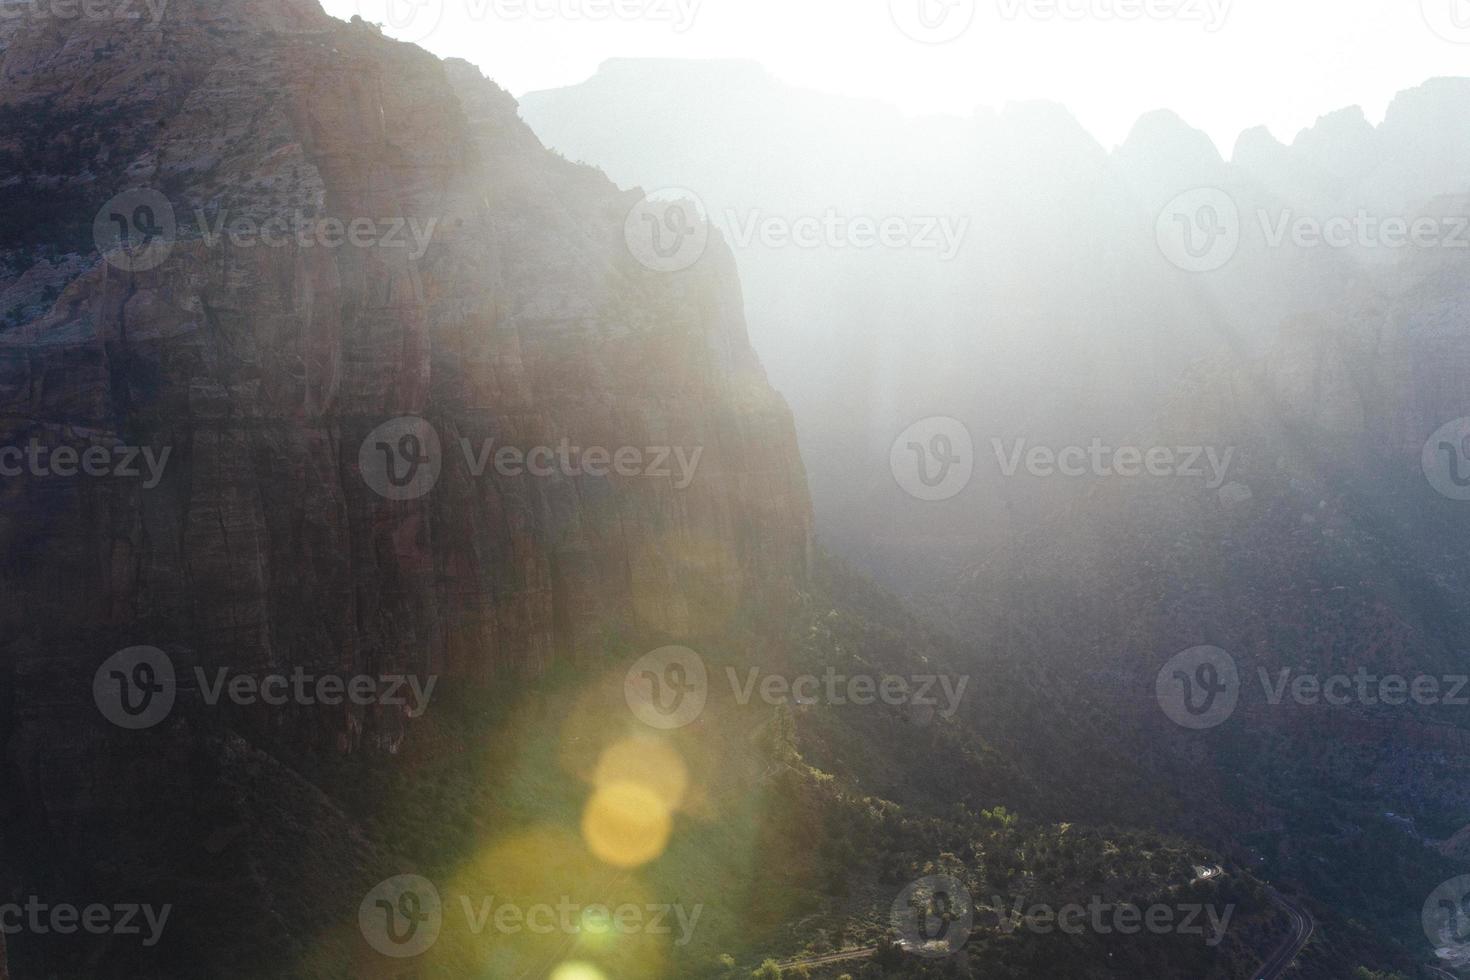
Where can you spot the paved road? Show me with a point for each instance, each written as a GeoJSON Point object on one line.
{"type": "Point", "coordinates": [827, 959]}
{"type": "Point", "coordinates": [1302, 927]}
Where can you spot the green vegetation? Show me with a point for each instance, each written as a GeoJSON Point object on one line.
{"type": "Point", "coordinates": [789, 859]}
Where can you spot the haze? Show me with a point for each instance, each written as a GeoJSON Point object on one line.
{"type": "Point", "coordinates": [1224, 65]}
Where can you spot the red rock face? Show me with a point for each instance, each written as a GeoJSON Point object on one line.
{"type": "Point", "coordinates": [520, 317]}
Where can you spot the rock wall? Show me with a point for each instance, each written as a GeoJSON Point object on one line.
{"type": "Point", "coordinates": [262, 369]}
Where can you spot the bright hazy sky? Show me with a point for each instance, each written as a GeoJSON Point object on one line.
{"type": "Point", "coordinates": [1278, 62]}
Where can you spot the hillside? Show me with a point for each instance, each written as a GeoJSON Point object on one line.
{"type": "Point", "coordinates": [341, 690]}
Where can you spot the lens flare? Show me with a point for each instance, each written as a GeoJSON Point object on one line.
{"type": "Point", "coordinates": [626, 824]}
{"type": "Point", "coordinates": [648, 762]}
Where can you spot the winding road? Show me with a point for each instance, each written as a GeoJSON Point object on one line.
{"type": "Point", "coordinates": [841, 956]}
{"type": "Point", "coordinates": [1302, 927]}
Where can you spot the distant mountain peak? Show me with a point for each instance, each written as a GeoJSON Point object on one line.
{"type": "Point", "coordinates": [1163, 136]}
{"type": "Point", "coordinates": [1348, 123]}
{"type": "Point", "coordinates": [1258, 147]}
{"type": "Point", "coordinates": [722, 68]}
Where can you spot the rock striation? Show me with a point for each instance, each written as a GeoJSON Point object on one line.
{"type": "Point", "coordinates": [489, 292]}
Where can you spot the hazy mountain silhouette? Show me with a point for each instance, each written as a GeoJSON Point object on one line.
{"type": "Point", "coordinates": [1059, 316]}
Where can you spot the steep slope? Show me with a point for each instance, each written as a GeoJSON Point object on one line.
{"type": "Point", "coordinates": [1331, 565]}
{"type": "Point", "coordinates": [1322, 370]}
{"type": "Point", "coordinates": [264, 368]}
{"type": "Point", "coordinates": [1058, 316]}
{"type": "Point", "coordinates": [490, 294]}
{"type": "Point", "coordinates": [292, 524]}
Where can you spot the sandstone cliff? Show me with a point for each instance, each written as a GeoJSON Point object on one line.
{"type": "Point", "coordinates": [261, 369]}
{"type": "Point", "coordinates": [264, 368]}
